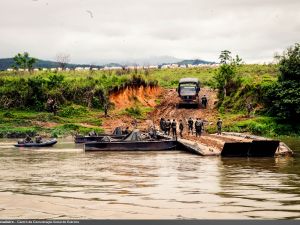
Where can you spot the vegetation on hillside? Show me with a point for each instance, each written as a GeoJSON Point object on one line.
{"type": "Point", "coordinates": [80, 98]}
{"type": "Point", "coordinates": [276, 97]}
{"type": "Point", "coordinates": [91, 90]}
{"type": "Point", "coordinates": [273, 91]}
{"type": "Point", "coordinates": [282, 98]}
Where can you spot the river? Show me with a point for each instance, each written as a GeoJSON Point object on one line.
{"type": "Point", "coordinates": [66, 183]}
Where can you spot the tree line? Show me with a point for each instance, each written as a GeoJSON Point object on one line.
{"type": "Point", "coordinates": [280, 98]}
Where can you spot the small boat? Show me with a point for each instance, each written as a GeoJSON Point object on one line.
{"type": "Point", "coordinates": [135, 141]}
{"type": "Point", "coordinates": [117, 134]}
{"type": "Point", "coordinates": [47, 143]}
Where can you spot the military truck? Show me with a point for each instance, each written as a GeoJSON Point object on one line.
{"type": "Point", "coordinates": [188, 91]}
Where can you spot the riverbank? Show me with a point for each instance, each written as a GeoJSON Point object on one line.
{"type": "Point", "coordinates": [146, 110]}
{"type": "Point", "coordinates": [143, 96]}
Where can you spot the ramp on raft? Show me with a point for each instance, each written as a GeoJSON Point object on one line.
{"type": "Point", "coordinates": [266, 148]}
{"type": "Point", "coordinates": [254, 148]}
{"type": "Point", "coordinates": [238, 145]}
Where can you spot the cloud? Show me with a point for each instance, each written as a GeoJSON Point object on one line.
{"type": "Point", "coordinates": [128, 29]}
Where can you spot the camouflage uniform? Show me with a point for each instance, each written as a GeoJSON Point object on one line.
{"type": "Point", "coordinates": [219, 126]}
{"type": "Point", "coordinates": [174, 127]}
{"type": "Point", "coordinates": [198, 126]}
{"type": "Point", "coordinates": [168, 127]}
{"type": "Point", "coordinates": [181, 127]}
{"type": "Point", "coordinates": [191, 125]}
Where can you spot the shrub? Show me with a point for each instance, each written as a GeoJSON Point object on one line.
{"type": "Point", "coordinates": [134, 111]}
{"type": "Point", "coordinates": [72, 111]}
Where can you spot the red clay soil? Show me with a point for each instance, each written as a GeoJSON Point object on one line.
{"type": "Point", "coordinates": [166, 109]}
{"type": "Point", "coordinates": [146, 96]}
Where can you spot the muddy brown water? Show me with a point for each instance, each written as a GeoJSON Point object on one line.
{"type": "Point", "coordinates": [64, 182]}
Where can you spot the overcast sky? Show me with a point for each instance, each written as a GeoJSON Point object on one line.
{"type": "Point", "coordinates": [93, 31]}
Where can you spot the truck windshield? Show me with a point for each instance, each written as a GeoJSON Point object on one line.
{"type": "Point", "coordinates": [187, 90]}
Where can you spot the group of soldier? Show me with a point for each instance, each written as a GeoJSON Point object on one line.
{"type": "Point", "coordinates": [28, 139]}
{"type": "Point", "coordinates": [197, 127]}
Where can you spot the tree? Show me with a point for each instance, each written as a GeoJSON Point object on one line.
{"type": "Point", "coordinates": [63, 60]}
{"type": "Point", "coordinates": [289, 64]}
{"type": "Point", "coordinates": [283, 97]}
{"type": "Point", "coordinates": [226, 74]}
{"type": "Point", "coordinates": [225, 57]}
{"type": "Point", "coordinates": [24, 61]}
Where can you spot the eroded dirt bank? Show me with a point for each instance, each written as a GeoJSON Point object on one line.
{"type": "Point", "coordinates": [167, 109]}
{"type": "Point", "coordinates": [145, 96]}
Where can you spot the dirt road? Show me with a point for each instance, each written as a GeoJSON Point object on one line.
{"type": "Point", "coordinates": [168, 110]}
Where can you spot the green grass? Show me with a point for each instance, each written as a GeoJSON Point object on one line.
{"type": "Point", "coordinates": [137, 111]}
{"type": "Point", "coordinates": [18, 123]}
{"type": "Point", "coordinates": [72, 129]}
{"type": "Point", "coordinates": [166, 77]}
{"type": "Point", "coordinates": [258, 125]}
{"type": "Point", "coordinates": [17, 132]}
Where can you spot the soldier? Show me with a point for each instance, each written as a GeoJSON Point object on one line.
{"type": "Point", "coordinates": [162, 124]}
{"type": "Point", "coordinates": [105, 107]}
{"type": "Point", "coordinates": [168, 127]}
{"type": "Point", "coordinates": [152, 132]}
{"type": "Point", "coordinates": [181, 128]}
{"type": "Point", "coordinates": [219, 126]}
{"type": "Point", "coordinates": [38, 139]}
{"type": "Point", "coordinates": [27, 139]}
{"type": "Point", "coordinates": [204, 101]}
{"type": "Point", "coordinates": [174, 127]}
{"type": "Point", "coordinates": [198, 126]}
{"type": "Point", "coordinates": [126, 131]}
{"type": "Point", "coordinates": [52, 106]}
{"type": "Point", "coordinates": [191, 125]}
{"type": "Point", "coordinates": [92, 133]}
{"type": "Point", "coordinates": [249, 108]}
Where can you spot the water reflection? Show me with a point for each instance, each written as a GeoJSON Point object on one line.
{"type": "Point", "coordinates": [260, 188]}
{"type": "Point", "coordinates": [65, 182]}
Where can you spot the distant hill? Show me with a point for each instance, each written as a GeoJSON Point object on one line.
{"type": "Point", "coordinates": [6, 63]}
{"type": "Point", "coordinates": [113, 65]}
{"type": "Point", "coordinates": [9, 62]}
{"type": "Point", "coordinates": [194, 62]}
{"type": "Point", "coordinates": [158, 60]}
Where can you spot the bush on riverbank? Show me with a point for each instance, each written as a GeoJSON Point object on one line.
{"type": "Point", "coordinates": [17, 132]}
{"type": "Point", "coordinates": [19, 123]}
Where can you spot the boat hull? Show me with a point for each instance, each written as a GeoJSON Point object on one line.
{"type": "Point", "coordinates": [44, 144]}
{"type": "Point", "coordinates": [131, 146]}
